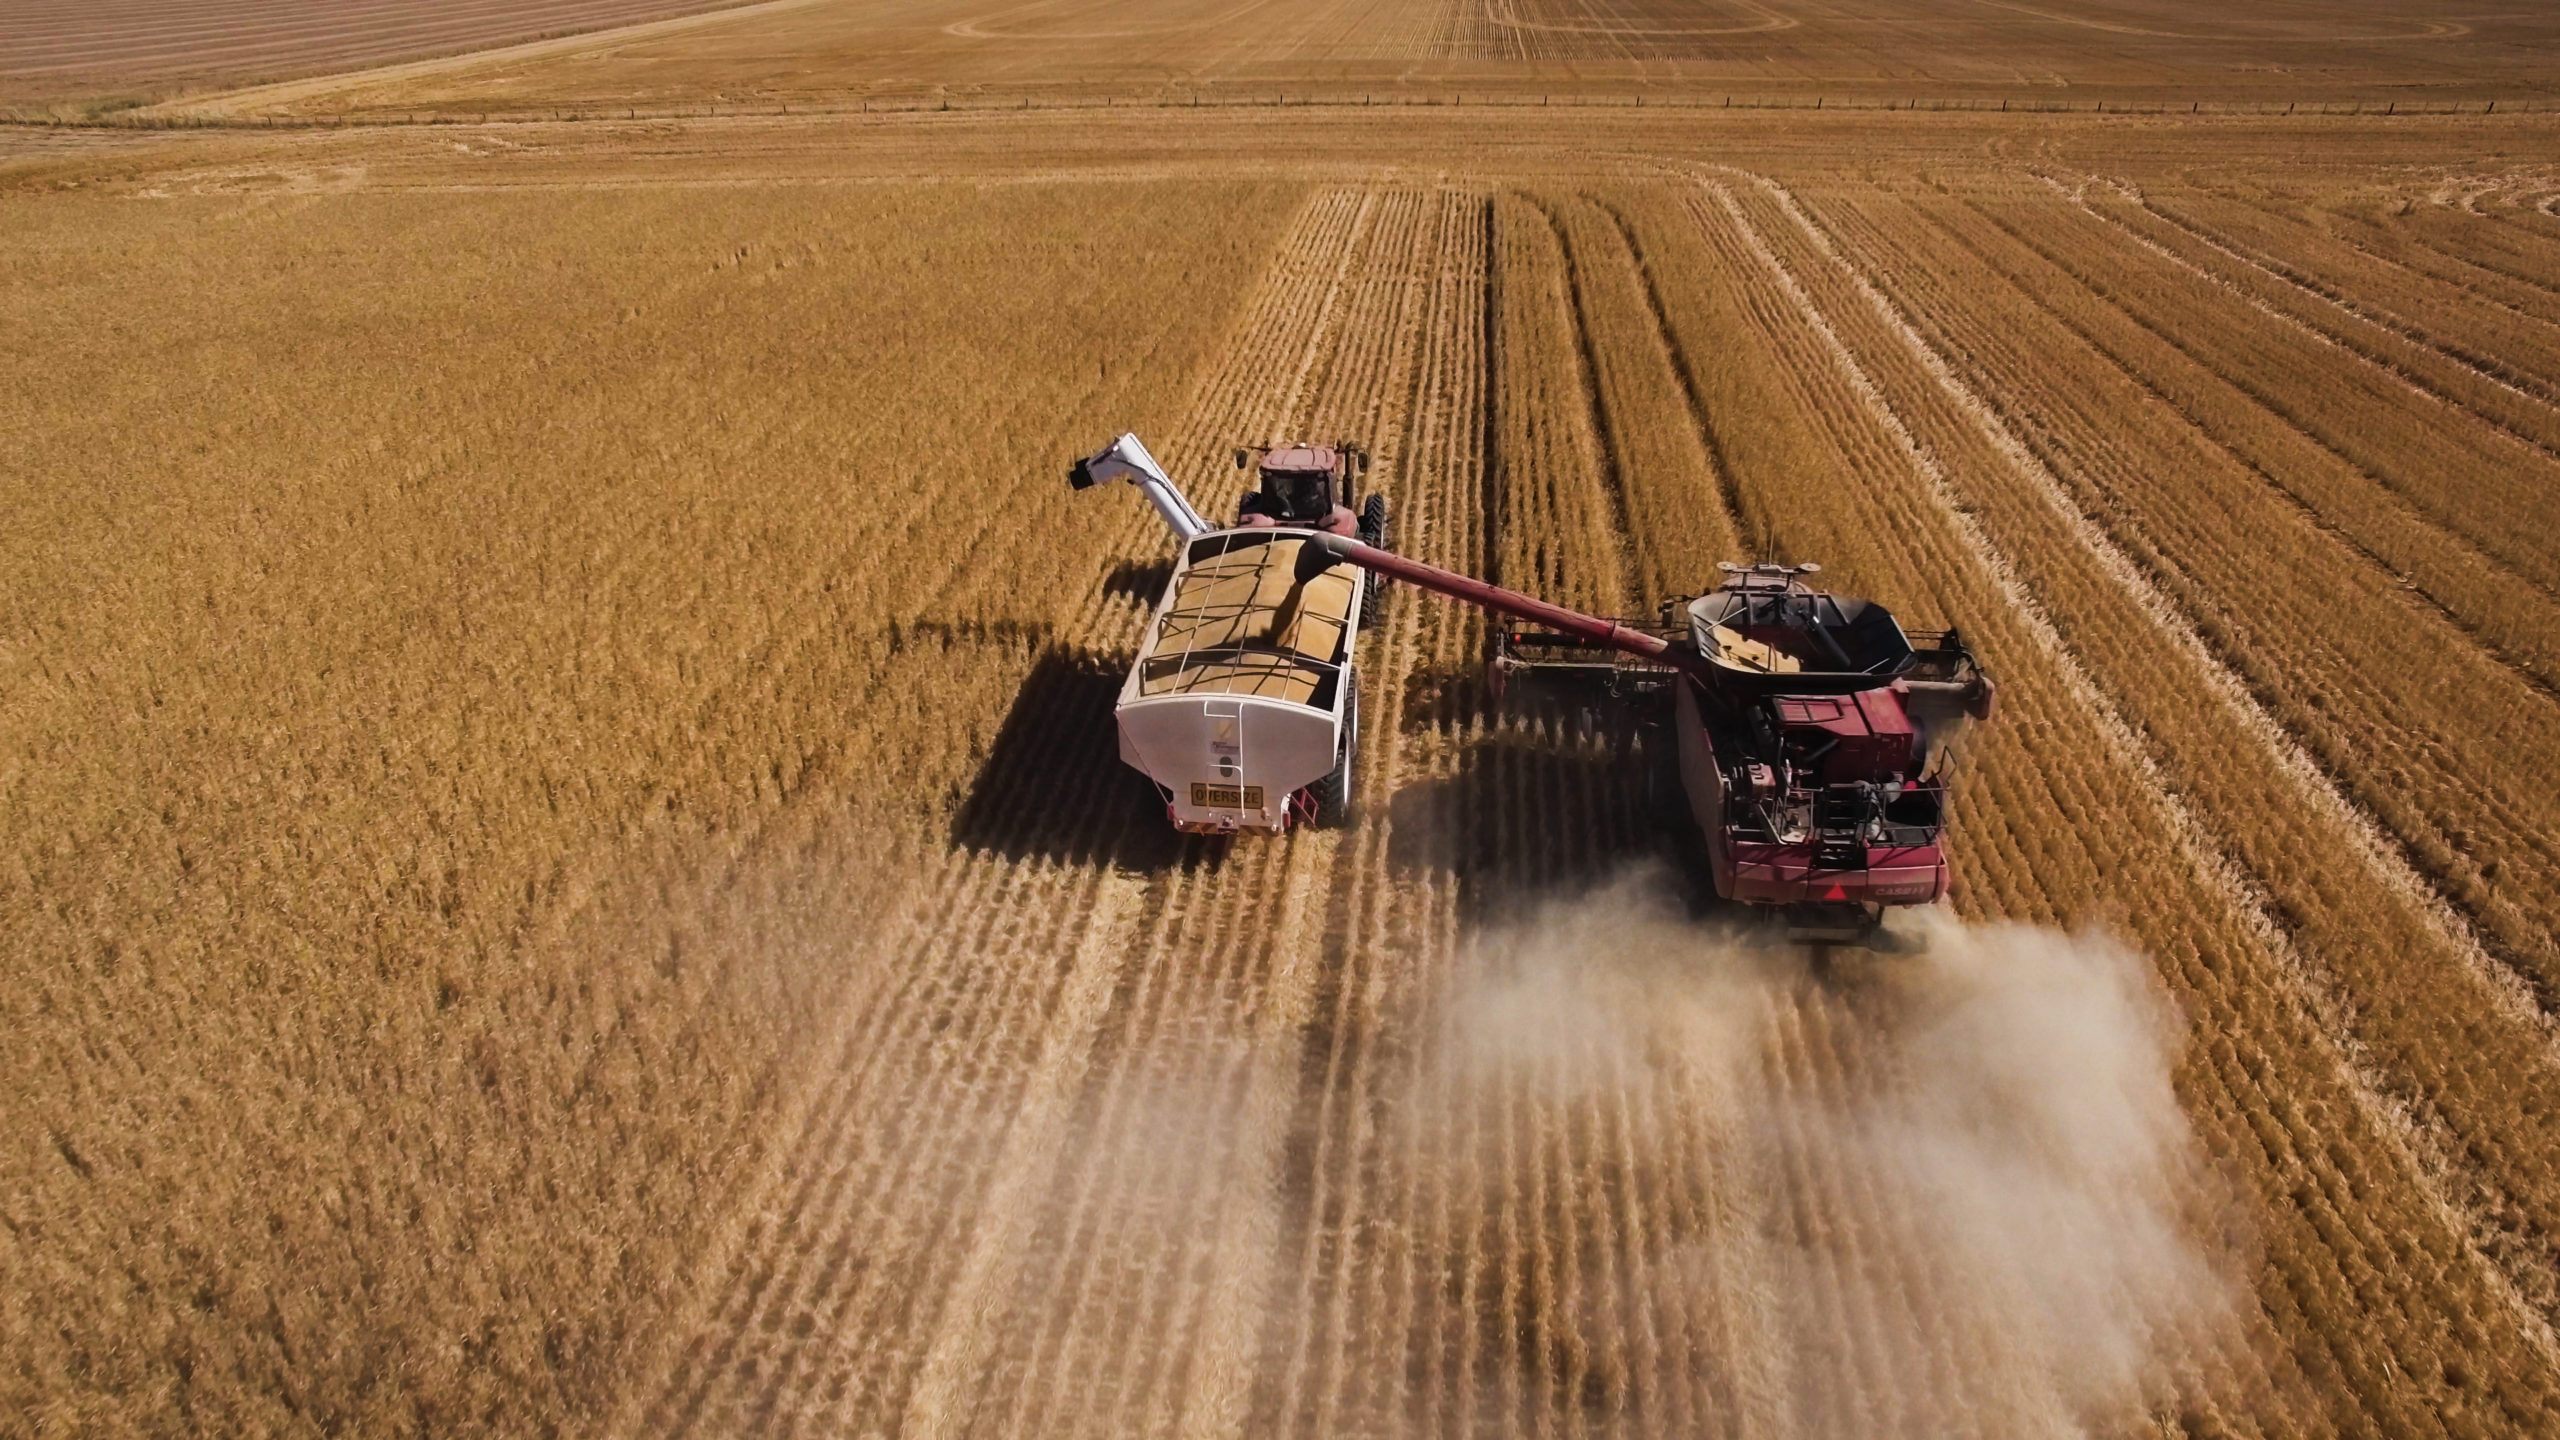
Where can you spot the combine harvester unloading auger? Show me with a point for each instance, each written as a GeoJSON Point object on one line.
{"type": "Point", "coordinates": [1805, 723]}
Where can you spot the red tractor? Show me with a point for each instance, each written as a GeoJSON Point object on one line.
{"type": "Point", "coordinates": [1807, 726]}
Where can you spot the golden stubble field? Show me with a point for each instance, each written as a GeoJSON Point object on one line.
{"type": "Point", "coordinates": [565, 868]}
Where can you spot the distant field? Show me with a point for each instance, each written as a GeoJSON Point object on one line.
{"type": "Point", "coordinates": [834, 51]}
{"type": "Point", "coordinates": [62, 47]}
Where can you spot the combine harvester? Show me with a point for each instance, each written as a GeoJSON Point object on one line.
{"type": "Point", "coordinates": [1808, 726]}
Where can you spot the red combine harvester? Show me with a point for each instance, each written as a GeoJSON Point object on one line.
{"type": "Point", "coordinates": [1807, 726]}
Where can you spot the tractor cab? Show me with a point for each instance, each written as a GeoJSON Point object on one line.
{"type": "Point", "coordinates": [1303, 485]}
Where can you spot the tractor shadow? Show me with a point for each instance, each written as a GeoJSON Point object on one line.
{"type": "Point", "coordinates": [1141, 582]}
{"type": "Point", "coordinates": [1052, 786]}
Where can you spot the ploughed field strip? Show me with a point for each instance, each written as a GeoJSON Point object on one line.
{"type": "Point", "coordinates": [46, 44]}
{"type": "Point", "coordinates": [825, 53]}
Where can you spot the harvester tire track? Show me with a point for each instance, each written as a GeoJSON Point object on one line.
{"type": "Point", "coordinates": [2322, 793]}
{"type": "Point", "coordinates": [2488, 368]}
{"type": "Point", "coordinates": [2471, 617]}
{"type": "Point", "coordinates": [2203, 853]}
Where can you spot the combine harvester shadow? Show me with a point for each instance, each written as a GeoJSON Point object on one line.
{"type": "Point", "coordinates": [1556, 802]}
{"type": "Point", "coordinates": [1140, 582]}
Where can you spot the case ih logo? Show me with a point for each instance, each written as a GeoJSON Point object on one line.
{"type": "Point", "coordinates": [1227, 796]}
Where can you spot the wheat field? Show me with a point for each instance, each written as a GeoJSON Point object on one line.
{"type": "Point", "coordinates": [566, 869]}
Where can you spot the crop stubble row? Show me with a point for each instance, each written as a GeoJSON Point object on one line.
{"type": "Point", "coordinates": [2402, 1003]}
{"type": "Point", "coordinates": [2083, 822]}
{"type": "Point", "coordinates": [1085, 1089]}
{"type": "Point", "coordinates": [408, 955]}
{"type": "Point", "coordinates": [1221, 917]}
{"type": "Point", "coordinates": [2224, 787]}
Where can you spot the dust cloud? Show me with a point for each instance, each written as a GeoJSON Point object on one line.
{"type": "Point", "coordinates": [1943, 1188]}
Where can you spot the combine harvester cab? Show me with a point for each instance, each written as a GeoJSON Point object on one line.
{"type": "Point", "coordinates": [1243, 707]}
{"type": "Point", "coordinates": [1808, 727]}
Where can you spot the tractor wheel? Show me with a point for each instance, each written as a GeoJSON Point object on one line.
{"type": "Point", "coordinates": [1373, 531]}
{"type": "Point", "coordinates": [1333, 792]}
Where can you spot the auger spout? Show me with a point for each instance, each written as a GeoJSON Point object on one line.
{"type": "Point", "coordinates": [1324, 552]}
{"type": "Point", "coordinates": [1127, 459]}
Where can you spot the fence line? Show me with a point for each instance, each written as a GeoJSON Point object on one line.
{"type": "Point", "coordinates": [1975, 105]}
